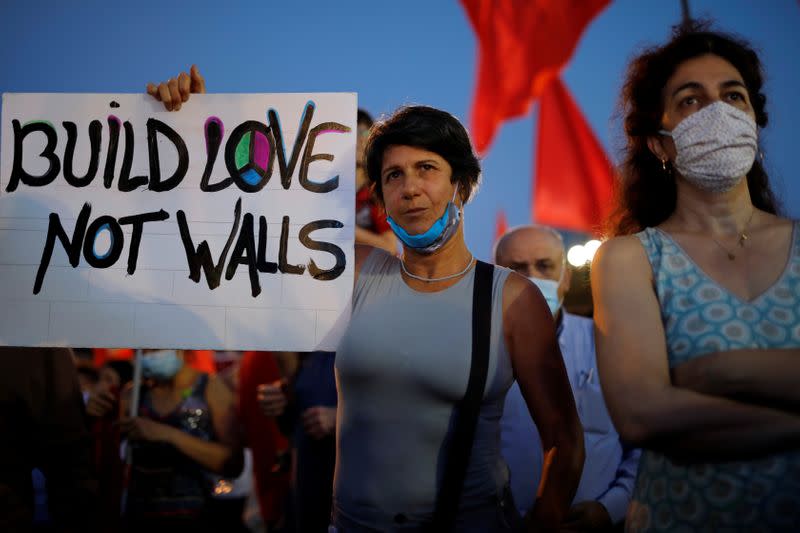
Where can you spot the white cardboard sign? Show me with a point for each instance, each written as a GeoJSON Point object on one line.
{"type": "Point", "coordinates": [226, 225]}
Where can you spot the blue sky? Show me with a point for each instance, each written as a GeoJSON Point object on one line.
{"type": "Point", "coordinates": [391, 53]}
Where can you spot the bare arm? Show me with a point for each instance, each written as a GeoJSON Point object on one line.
{"type": "Point", "coordinates": [539, 370]}
{"type": "Point", "coordinates": [228, 461]}
{"type": "Point", "coordinates": [223, 456]}
{"type": "Point", "coordinates": [767, 377]}
{"type": "Point", "coordinates": [644, 405]}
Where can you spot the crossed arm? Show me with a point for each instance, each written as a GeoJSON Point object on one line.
{"type": "Point", "coordinates": [765, 377]}
{"type": "Point", "coordinates": [646, 407]}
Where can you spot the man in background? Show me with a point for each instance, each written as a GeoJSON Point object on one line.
{"type": "Point", "coordinates": [609, 471]}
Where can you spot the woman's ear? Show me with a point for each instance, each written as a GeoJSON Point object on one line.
{"type": "Point", "coordinates": [655, 144]}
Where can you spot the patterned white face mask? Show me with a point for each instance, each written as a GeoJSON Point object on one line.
{"type": "Point", "coordinates": [716, 146]}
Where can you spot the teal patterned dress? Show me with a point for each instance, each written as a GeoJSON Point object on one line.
{"type": "Point", "coordinates": [702, 317]}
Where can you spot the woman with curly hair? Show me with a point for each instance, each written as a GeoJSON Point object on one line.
{"type": "Point", "coordinates": [698, 297]}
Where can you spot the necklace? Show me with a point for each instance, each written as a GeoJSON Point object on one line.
{"type": "Point", "coordinates": [443, 278]}
{"type": "Point", "coordinates": [743, 236]}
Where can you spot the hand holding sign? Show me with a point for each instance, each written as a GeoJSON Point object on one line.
{"type": "Point", "coordinates": [174, 92]}
{"type": "Point", "coordinates": [140, 428]}
{"type": "Point", "coordinates": [226, 226]}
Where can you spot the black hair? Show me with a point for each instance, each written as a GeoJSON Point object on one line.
{"type": "Point", "coordinates": [430, 129]}
{"type": "Point", "coordinates": [364, 118]}
{"type": "Point", "coordinates": [124, 370]}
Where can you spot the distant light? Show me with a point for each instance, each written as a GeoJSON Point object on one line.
{"type": "Point", "coordinates": [577, 256]}
{"type": "Point", "coordinates": [590, 248]}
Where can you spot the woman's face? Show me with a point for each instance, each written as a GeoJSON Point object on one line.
{"type": "Point", "coordinates": [696, 83]}
{"type": "Point", "coordinates": [416, 186]}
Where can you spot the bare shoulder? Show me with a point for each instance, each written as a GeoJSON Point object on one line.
{"type": "Point", "coordinates": [363, 251]}
{"type": "Point", "coordinates": [522, 299]}
{"type": "Point", "coordinates": [517, 286]}
{"type": "Point", "coordinates": [620, 256]}
{"type": "Point", "coordinates": [777, 226]}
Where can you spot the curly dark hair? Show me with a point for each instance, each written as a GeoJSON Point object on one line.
{"type": "Point", "coordinates": [430, 129]}
{"type": "Point", "coordinates": [646, 195]}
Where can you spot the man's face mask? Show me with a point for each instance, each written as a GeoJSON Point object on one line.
{"type": "Point", "coordinates": [716, 146]}
{"type": "Point", "coordinates": [437, 235]}
{"type": "Point", "coordinates": [549, 289]}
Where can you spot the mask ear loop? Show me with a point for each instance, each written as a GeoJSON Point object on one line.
{"type": "Point", "coordinates": [564, 268]}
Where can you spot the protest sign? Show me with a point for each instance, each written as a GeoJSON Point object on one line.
{"type": "Point", "coordinates": [227, 225]}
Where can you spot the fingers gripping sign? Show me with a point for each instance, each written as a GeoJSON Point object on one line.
{"type": "Point", "coordinates": [174, 92]}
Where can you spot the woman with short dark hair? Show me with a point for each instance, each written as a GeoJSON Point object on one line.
{"type": "Point", "coordinates": [404, 361]}
{"type": "Point", "coordinates": [407, 359]}
{"type": "Point", "coordinates": [697, 298]}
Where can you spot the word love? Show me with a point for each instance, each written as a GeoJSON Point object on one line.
{"type": "Point", "coordinates": [250, 153]}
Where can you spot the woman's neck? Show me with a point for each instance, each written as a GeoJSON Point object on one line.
{"type": "Point", "coordinates": [698, 211]}
{"type": "Point", "coordinates": [450, 259]}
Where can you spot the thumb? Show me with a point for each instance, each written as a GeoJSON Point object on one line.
{"type": "Point", "coordinates": [198, 82]}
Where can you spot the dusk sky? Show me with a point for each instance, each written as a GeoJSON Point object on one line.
{"type": "Point", "coordinates": [390, 53]}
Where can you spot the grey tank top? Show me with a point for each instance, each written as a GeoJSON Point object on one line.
{"type": "Point", "coordinates": [401, 366]}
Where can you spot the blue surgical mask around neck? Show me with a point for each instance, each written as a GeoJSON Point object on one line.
{"type": "Point", "coordinates": [437, 235]}
{"type": "Point", "coordinates": [161, 365]}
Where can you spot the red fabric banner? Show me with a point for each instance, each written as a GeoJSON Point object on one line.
{"type": "Point", "coordinates": [522, 44]}
{"type": "Point", "coordinates": [574, 179]}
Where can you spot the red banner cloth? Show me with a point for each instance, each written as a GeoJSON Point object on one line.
{"type": "Point", "coordinates": [574, 179]}
{"type": "Point", "coordinates": [522, 45]}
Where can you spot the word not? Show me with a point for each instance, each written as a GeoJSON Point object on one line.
{"type": "Point", "coordinates": [247, 251]}
{"type": "Point", "coordinates": [84, 236]}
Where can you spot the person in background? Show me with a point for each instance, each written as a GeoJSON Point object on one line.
{"type": "Point", "coordinates": [306, 408]}
{"type": "Point", "coordinates": [609, 470]}
{"type": "Point", "coordinates": [697, 297]}
{"type": "Point", "coordinates": [113, 377]}
{"type": "Point", "coordinates": [187, 427]}
{"type": "Point", "coordinates": [371, 226]}
{"type": "Point", "coordinates": [103, 408]}
{"type": "Point", "coordinates": [404, 362]}
{"type": "Point", "coordinates": [261, 434]}
{"type": "Point", "coordinates": [43, 426]}
{"type": "Point", "coordinates": [87, 371]}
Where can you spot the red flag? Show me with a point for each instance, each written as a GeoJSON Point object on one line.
{"type": "Point", "coordinates": [522, 44]}
{"type": "Point", "coordinates": [500, 225]}
{"type": "Point", "coordinates": [574, 178]}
